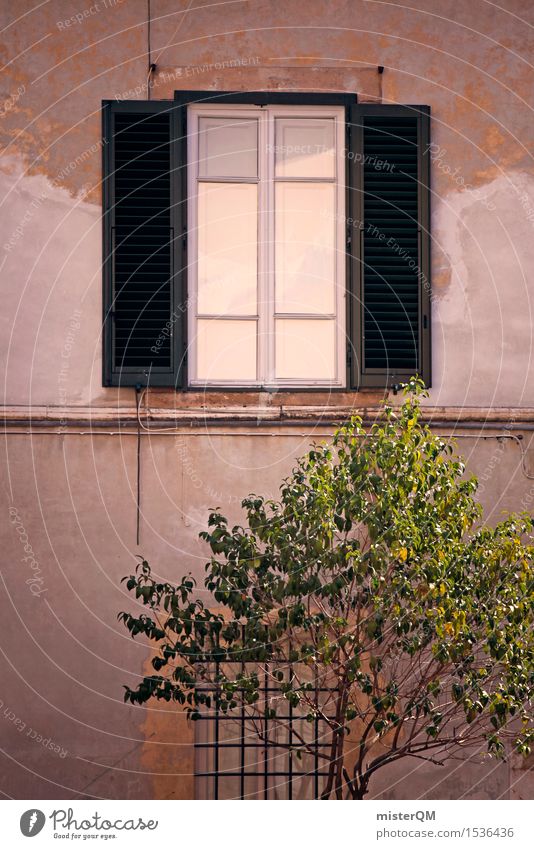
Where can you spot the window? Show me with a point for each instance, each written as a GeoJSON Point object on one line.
{"type": "Point", "coordinates": [265, 239]}
{"type": "Point", "coordinates": [267, 254]}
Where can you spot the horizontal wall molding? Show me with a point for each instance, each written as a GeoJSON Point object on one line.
{"type": "Point", "coordinates": [502, 418]}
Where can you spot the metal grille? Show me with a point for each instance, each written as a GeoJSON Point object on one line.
{"type": "Point", "coordinates": [233, 761]}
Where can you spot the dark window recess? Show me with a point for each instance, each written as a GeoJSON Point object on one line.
{"type": "Point", "coordinates": [141, 240]}
{"type": "Point", "coordinates": [390, 244]}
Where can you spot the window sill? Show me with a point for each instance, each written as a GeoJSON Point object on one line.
{"type": "Point", "coordinates": [290, 399]}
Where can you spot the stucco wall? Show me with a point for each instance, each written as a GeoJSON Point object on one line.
{"type": "Point", "coordinates": [64, 655]}
{"type": "Point", "coordinates": [71, 498]}
{"type": "Point", "coordinates": [469, 61]}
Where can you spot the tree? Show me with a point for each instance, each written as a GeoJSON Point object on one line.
{"type": "Point", "coordinates": [375, 575]}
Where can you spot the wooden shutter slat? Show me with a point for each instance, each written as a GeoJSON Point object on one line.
{"type": "Point", "coordinates": [388, 195]}
{"type": "Point", "coordinates": [143, 154]}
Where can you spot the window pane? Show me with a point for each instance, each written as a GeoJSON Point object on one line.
{"type": "Point", "coordinates": [228, 147]}
{"type": "Point", "coordinates": [226, 350]}
{"type": "Point", "coordinates": [305, 349]}
{"type": "Point", "coordinates": [304, 147]}
{"type": "Point", "coordinates": [305, 247]}
{"type": "Point", "coordinates": [227, 248]}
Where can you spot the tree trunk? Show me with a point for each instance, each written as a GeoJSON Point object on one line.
{"type": "Point", "coordinates": [335, 767]}
{"type": "Point", "coordinates": [358, 787]}
{"type": "Point", "coordinates": [336, 758]}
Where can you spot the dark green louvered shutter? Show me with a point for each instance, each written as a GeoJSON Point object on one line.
{"type": "Point", "coordinates": [144, 244]}
{"type": "Point", "coordinates": [389, 258]}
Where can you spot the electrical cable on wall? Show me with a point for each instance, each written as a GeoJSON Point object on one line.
{"type": "Point", "coordinates": [138, 398]}
{"type": "Point", "coordinates": [183, 14]}
{"type": "Point", "coordinates": [151, 64]}
{"type": "Point", "coordinates": [380, 70]}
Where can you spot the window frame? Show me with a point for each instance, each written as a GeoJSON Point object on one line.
{"type": "Point", "coordinates": [266, 180]}
{"type": "Point", "coordinates": [185, 98]}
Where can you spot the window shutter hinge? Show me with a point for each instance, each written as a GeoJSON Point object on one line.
{"type": "Point", "coordinates": [349, 355]}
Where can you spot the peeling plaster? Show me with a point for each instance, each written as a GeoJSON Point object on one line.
{"type": "Point", "coordinates": [482, 319]}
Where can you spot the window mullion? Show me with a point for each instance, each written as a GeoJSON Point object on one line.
{"type": "Point", "coordinates": [270, 288]}
{"type": "Point", "coordinates": [262, 357]}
